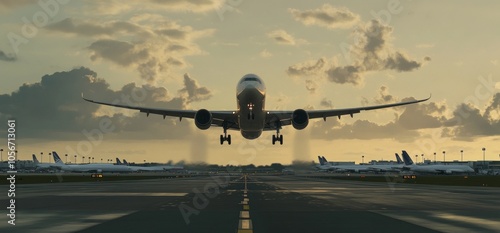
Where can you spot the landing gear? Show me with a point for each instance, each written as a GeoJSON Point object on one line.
{"type": "Point", "coordinates": [225, 137]}
{"type": "Point", "coordinates": [278, 137]}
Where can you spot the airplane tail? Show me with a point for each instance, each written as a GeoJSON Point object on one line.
{"type": "Point", "coordinates": [125, 162]}
{"type": "Point", "coordinates": [35, 160]}
{"type": "Point", "coordinates": [407, 158]}
{"type": "Point", "coordinates": [324, 160]}
{"type": "Point", "coordinates": [118, 162]}
{"type": "Point", "coordinates": [320, 160]}
{"type": "Point", "coordinates": [57, 159]}
{"type": "Point", "coordinates": [399, 159]}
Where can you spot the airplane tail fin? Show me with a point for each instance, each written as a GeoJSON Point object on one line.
{"type": "Point", "coordinates": [407, 158]}
{"type": "Point", "coordinates": [125, 162]}
{"type": "Point", "coordinates": [57, 159]}
{"type": "Point", "coordinates": [35, 160]}
{"type": "Point", "coordinates": [324, 159]}
{"type": "Point", "coordinates": [399, 159]}
{"type": "Point", "coordinates": [118, 162]}
{"type": "Point", "coordinates": [320, 161]}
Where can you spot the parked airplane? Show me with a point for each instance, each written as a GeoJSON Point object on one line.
{"type": "Point", "coordinates": [91, 167]}
{"type": "Point", "coordinates": [155, 168]}
{"type": "Point", "coordinates": [43, 166]}
{"type": "Point", "coordinates": [250, 117]}
{"type": "Point", "coordinates": [324, 165]}
{"type": "Point", "coordinates": [387, 167]}
{"type": "Point", "coordinates": [435, 168]}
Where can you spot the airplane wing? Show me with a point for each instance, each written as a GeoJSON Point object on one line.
{"type": "Point", "coordinates": [219, 117]}
{"type": "Point", "coordinates": [275, 119]}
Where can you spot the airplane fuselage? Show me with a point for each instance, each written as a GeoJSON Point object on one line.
{"type": "Point", "coordinates": [251, 97]}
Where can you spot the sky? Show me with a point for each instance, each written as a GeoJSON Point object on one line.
{"type": "Point", "coordinates": [311, 55]}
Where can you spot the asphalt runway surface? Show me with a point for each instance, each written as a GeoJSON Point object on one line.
{"type": "Point", "coordinates": [270, 204]}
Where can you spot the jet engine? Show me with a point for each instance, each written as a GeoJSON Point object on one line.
{"type": "Point", "coordinates": [300, 119]}
{"type": "Point", "coordinates": [203, 119]}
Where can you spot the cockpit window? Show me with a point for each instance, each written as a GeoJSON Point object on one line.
{"type": "Point", "coordinates": [252, 79]}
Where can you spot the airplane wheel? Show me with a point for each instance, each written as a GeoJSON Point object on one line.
{"type": "Point", "coordinates": [229, 139]}
{"type": "Point", "coordinates": [221, 139]}
{"type": "Point", "coordinates": [274, 139]}
{"type": "Point", "coordinates": [281, 139]}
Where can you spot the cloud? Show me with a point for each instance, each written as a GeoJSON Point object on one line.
{"type": "Point", "coordinates": [311, 86]}
{"type": "Point", "coordinates": [406, 125]}
{"type": "Point", "coordinates": [120, 52]}
{"type": "Point", "coordinates": [53, 108]}
{"type": "Point", "coordinates": [152, 45]}
{"type": "Point", "coordinates": [281, 37]}
{"type": "Point", "coordinates": [193, 92]}
{"type": "Point", "coordinates": [471, 123]}
{"type": "Point", "coordinates": [383, 97]}
{"type": "Point", "coordinates": [422, 116]}
{"type": "Point", "coordinates": [326, 103]}
{"type": "Point", "coordinates": [326, 16]}
{"type": "Point", "coordinates": [94, 29]}
{"type": "Point", "coordinates": [345, 74]}
{"type": "Point", "coordinates": [306, 68]}
{"type": "Point", "coordinates": [371, 52]}
{"type": "Point", "coordinates": [400, 62]}
{"type": "Point", "coordinates": [7, 57]}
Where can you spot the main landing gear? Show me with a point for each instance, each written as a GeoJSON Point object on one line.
{"type": "Point", "coordinates": [278, 137]}
{"type": "Point", "coordinates": [225, 137]}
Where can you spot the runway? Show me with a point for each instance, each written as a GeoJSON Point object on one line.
{"type": "Point", "coordinates": [274, 204]}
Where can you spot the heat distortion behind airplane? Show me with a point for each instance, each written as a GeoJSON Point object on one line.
{"type": "Point", "coordinates": [250, 117]}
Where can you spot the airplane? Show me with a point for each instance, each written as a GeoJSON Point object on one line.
{"type": "Point", "coordinates": [388, 167]}
{"type": "Point", "coordinates": [435, 168]}
{"type": "Point", "coordinates": [148, 168]}
{"type": "Point", "coordinates": [324, 165]}
{"type": "Point", "coordinates": [42, 166]}
{"type": "Point", "coordinates": [92, 167]}
{"type": "Point", "coordinates": [250, 117]}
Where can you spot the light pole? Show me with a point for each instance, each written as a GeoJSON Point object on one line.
{"type": "Point", "coordinates": [75, 159]}
{"type": "Point", "coordinates": [83, 159]}
{"type": "Point", "coordinates": [462, 155]}
{"type": "Point", "coordinates": [444, 156]}
{"type": "Point", "coordinates": [89, 158]}
{"type": "Point", "coordinates": [434, 157]}
{"type": "Point", "coordinates": [41, 155]}
{"type": "Point", "coordinates": [484, 162]}
{"type": "Point", "coordinates": [66, 158]}
{"type": "Point", "coordinates": [50, 153]}
{"type": "Point", "coordinates": [422, 158]}
{"type": "Point", "coordinates": [362, 159]}
{"type": "Point", "coordinates": [1, 156]}
{"type": "Point", "coordinates": [416, 159]}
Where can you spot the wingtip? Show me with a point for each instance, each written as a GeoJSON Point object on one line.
{"type": "Point", "coordinates": [83, 97]}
